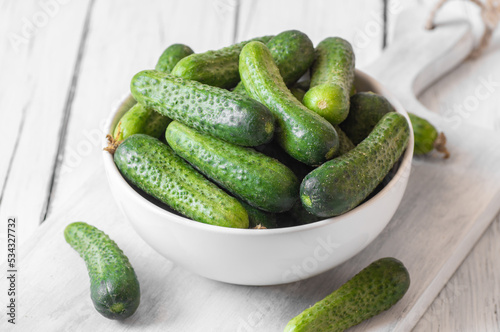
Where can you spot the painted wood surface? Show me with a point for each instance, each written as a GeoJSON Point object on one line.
{"type": "Point", "coordinates": [177, 300]}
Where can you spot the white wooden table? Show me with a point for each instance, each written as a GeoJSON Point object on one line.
{"type": "Point", "coordinates": [64, 64]}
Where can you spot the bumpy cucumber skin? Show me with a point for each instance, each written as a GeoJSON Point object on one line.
{"type": "Point", "coordinates": [345, 143]}
{"type": "Point", "coordinates": [260, 218]}
{"type": "Point", "coordinates": [114, 288]}
{"type": "Point", "coordinates": [217, 68]}
{"type": "Point", "coordinates": [367, 108]}
{"type": "Point", "coordinates": [332, 79]}
{"type": "Point", "coordinates": [171, 56]}
{"type": "Point", "coordinates": [132, 122]}
{"type": "Point", "coordinates": [341, 184]}
{"type": "Point", "coordinates": [261, 181]}
{"type": "Point", "coordinates": [425, 135]}
{"type": "Point", "coordinates": [303, 134]}
{"type": "Point", "coordinates": [373, 290]}
{"type": "Point", "coordinates": [154, 168]}
{"type": "Point", "coordinates": [229, 116]}
{"type": "Point", "coordinates": [293, 53]}
{"type": "Point", "coordinates": [156, 125]}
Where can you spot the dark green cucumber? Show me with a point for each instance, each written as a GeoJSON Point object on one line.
{"type": "Point", "coordinates": [332, 79]}
{"type": "Point", "coordinates": [341, 184]}
{"type": "Point", "coordinates": [427, 137]}
{"type": "Point", "coordinates": [345, 143]}
{"type": "Point", "coordinates": [272, 149]}
{"type": "Point", "coordinates": [171, 56]}
{"type": "Point", "coordinates": [261, 181]}
{"type": "Point", "coordinates": [373, 290]}
{"type": "Point", "coordinates": [154, 168]}
{"type": "Point", "coordinates": [114, 288]}
{"type": "Point", "coordinates": [141, 120]}
{"type": "Point", "coordinates": [300, 216]}
{"type": "Point", "coordinates": [297, 93]}
{"type": "Point", "coordinates": [367, 108]}
{"type": "Point", "coordinates": [229, 116]}
{"type": "Point", "coordinates": [293, 53]}
{"type": "Point", "coordinates": [217, 68]}
{"type": "Point", "coordinates": [303, 134]}
{"type": "Point", "coordinates": [258, 218]}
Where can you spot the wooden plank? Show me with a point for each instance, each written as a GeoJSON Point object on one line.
{"type": "Point", "coordinates": [121, 43]}
{"type": "Point", "coordinates": [469, 301]}
{"type": "Point", "coordinates": [39, 56]}
{"type": "Point", "coordinates": [359, 22]}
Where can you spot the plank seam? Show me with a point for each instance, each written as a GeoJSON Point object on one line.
{"type": "Point", "coordinates": [14, 151]}
{"type": "Point", "coordinates": [68, 106]}
{"type": "Point", "coordinates": [385, 19]}
{"type": "Point", "coordinates": [236, 20]}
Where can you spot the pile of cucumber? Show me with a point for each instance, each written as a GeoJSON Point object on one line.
{"type": "Point", "coordinates": [231, 138]}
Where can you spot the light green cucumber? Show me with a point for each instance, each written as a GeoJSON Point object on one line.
{"type": "Point", "coordinates": [171, 56]}
{"type": "Point", "coordinates": [260, 219]}
{"type": "Point", "coordinates": [373, 290]}
{"type": "Point", "coordinates": [229, 116]}
{"type": "Point", "coordinates": [259, 180]}
{"type": "Point", "coordinates": [303, 134]}
{"type": "Point", "coordinates": [341, 184]}
{"type": "Point", "coordinates": [114, 288]}
{"type": "Point", "coordinates": [332, 79]}
{"type": "Point", "coordinates": [427, 137]}
{"type": "Point", "coordinates": [155, 168]}
{"type": "Point", "coordinates": [217, 68]}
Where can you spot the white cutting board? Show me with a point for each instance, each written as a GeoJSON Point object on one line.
{"type": "Point", "coordinates": [447, 206]}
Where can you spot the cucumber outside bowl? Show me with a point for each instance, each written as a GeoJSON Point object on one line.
{"type": "Point", "coordinates": [255, 256]}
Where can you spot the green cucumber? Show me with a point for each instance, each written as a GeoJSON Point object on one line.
{"type": "Point", "coordinates": [260, 219]}
{"type": "Point", "coordinates": [293, 53]}
{"type": "Point", "coordinates": [341, 184]}
{"type": "Point", "coordinates": [155, 168]}
{"type": "Point", "coordinates": [332, 79]}
{"type": "Point", "coordinates": [171, 56]}
{"type": "Point", "coordinates": [229, 116]}
{"type": "Point", "coordinates": [114, 288]}
{"type": "Point", "coordinates": [367, 108]}
{"type": "Point", "coordinates": [303, 134]}
{"type": "Point", "coordinates": [275, 151]}
{"type": "Point", "coordinates": [427, 137]}
{"type": "Point", "coordinates": [345, 143]}
{"type": "Point", "coordinates": [259, 180]}
{"type": "Point", "coordinates": [217, 68]}
{"type": "Point", "coordinates": [141, 120]}
{"type": "Point", "coordinates": [297, 93]}
{"type": "Point", "coordinates": [373, 290]}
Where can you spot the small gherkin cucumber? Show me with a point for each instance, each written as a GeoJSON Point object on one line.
{"type": "Point", "coordinates": [345, 143]}
{"type": "Point", "coordinates": [261, 181]}
{"type": "Point", "coordinates": [155, 168]}
{"type": "Point", "coordinates": [141, 120]}
{"type": "Point", "coordinates": [367, 108]}
{"type": "Point", "coordinates": [171, 56]}
{"type": "Point", "coordinates": [303, 134]}
{"type": "Point", "coordinates": [427, 137]}
{"type": "Point", "coordinates": [332, 79]}
{"type": "Point", "coordinates": [293, 53]}
{"type": "Point", "coordinates": [373, 290]}
{"type": "Point", "coordinates": [114, 288]}
{"type": "Point", "coordinates": [341, 184]}
{"type": "Point", "coordinates": [260, 219]}
{"type": "Point", "coordinates": [232, 117]}
{"type": "Point", "coordinates": [217, 68]}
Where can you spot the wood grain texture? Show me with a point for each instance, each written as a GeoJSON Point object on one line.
{"type": "Point", "coordinates": [359, 22]}
{"type": "Point", "coordinates": [39, 57]}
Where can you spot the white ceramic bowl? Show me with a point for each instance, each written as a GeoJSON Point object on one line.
{"type": "Point", "coordinates": [260, 257]}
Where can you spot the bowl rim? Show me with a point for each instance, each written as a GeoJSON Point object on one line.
{"type": "Point", "coordinates": [112, 170]}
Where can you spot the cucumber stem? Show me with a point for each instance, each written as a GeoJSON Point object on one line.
{"type": "Point", "coordinates": [114, 143]}
{"type": "Point", "coordinates": [439, 145]}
